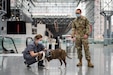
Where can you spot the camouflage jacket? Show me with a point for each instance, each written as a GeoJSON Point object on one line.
{"type": "Point", "coordinates": [80, 27]}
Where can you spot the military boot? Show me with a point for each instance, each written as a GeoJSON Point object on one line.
{"type": "Point", "coordinates": [90, 64]}
{"type": "Point", "coordinates": [80, 63]}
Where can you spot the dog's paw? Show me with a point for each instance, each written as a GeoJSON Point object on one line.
{"type": "Point", "coordinates": [47, 68]}
{"type": "Point", "coordinates": [59, 67]}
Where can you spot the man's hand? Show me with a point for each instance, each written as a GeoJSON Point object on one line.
{"type": "Point", "coordinates": [85, 36]}
{"type": "Point", "coordinates": [74, 39]}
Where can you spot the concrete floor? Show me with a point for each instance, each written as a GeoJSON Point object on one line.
{"type": "Point", "coordinates": [102, 58]}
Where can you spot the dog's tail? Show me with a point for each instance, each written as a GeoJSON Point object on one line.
{"type": "Point", "coordinates": [68, 56]}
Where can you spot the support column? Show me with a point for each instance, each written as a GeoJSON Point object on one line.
{"type": "Point", "coordinates": [110, 33]}
{"type": "Point", "coordinates": [107, 17]}
{"type": "Point", "coordinates": [105, 31]}
{"type": "Point", "coordinates": [92, 35]}
{"type": "Point", "coordinates": [2, 12]}
{"type": "Point", "coordinates": [0, 25]}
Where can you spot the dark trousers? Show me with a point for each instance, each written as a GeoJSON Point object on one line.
{"type": "Point", "coordinates": [31, 60]}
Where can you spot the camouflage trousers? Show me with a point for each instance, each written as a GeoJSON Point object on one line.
{"type": "Point", "coordinates": [79, 43]}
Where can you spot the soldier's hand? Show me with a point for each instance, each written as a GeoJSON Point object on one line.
{"type": "Point", "coordinates": [74, 39]}
{"type": "Point", "coordinates": [85, 36]}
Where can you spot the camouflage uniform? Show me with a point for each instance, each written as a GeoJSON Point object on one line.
{"type": "Point", "coordinates": [80, 27]}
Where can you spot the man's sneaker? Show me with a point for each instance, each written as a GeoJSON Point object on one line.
{"type": "Point", "coordinates": [28, 66]}
{"type": "Point", "coordinates": [25, 62]}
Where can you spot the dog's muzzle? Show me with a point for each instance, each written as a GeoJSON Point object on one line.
{"type": "Point", "coordinates": [48, 53]}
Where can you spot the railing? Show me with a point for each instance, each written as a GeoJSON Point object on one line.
{"type": "Point", "coordinates": [27, 40]}
{"type": "Point", "coordinates": [6, 50]}
{"type": "Point", "coordinates": [22, 41]}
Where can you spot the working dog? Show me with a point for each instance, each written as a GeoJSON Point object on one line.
{"type": "Point", "coordinates": [59, 54]}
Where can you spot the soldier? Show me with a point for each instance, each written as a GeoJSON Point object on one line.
{"type": "Point", "coordinates": [80, 28]}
